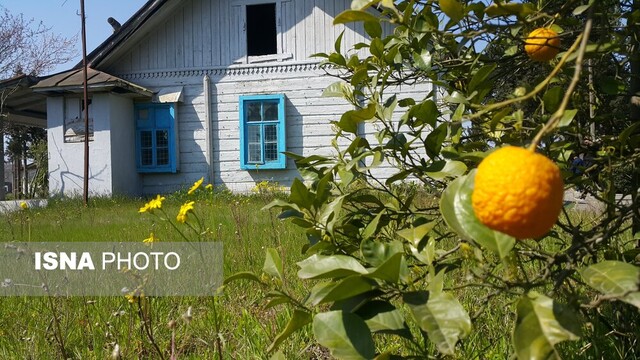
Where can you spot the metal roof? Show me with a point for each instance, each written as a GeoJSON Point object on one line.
{"type": "Point", "coordinates": [72, 82]}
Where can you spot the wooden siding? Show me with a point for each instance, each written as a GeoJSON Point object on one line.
{"type": "Point", "coordinates": [201, 37]}
{"type": "Point", "coordinates": [308, 118]}
{"type": "Point", "coordinates": [204, 34]}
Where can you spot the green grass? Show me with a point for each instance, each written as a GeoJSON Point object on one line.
{"type": "Point", "coordinates": [90, 327]}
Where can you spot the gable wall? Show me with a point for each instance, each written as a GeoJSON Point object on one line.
{"type": "Point", "coordinates": [197, 41]}
{"type": "Point", "coordinates": [204, 34]}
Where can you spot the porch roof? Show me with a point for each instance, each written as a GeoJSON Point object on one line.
{"type": "Point", "coordinates": [97, 81]}
{"type": "Point", "coordinates": [20, 104]}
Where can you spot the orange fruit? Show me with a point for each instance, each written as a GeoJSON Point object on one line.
{"type": "Point", "coordinates": [518, 192]}
{"type": "Point", "coordinates": [542, 44]}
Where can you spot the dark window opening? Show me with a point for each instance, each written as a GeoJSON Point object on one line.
{"type": "Point", "coordinates": [261, 30]}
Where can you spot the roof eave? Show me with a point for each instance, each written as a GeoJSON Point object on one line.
{"type": "Point", "coordinates": [94, 88]}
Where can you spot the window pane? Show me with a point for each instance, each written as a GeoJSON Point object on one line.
{"type": "Point", "coordinates": [270, 110]}
{"type": "Point", "coordinates": [253, 134]}
{"type": "Point", "coordinates": [162, 156]}
{"type": "Point", "coordinates": [146, 157]}
{"type": "Point", "coordinates": [271, 133]}
{"type": "Point", "coordinates": [253, 110]}
{"type": "Point", "coordinates": [146, 139]}
{"type": "Point", "coordinates": [254, 153]}
{"type": "Point", "coordinates": [162, 138]}
{"type": "Point", "coordinates": [270, 152]}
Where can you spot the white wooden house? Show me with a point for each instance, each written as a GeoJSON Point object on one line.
{"type": "Point", "coordinates": [199, 88]}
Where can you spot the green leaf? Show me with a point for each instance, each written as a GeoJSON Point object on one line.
{"type": "Point", "coordinates": [433, 141]}
{"type": "Point", "coordinates": [567, 117]}
{"type": "Point", "coordinates": [582, 8]}
{"type": "Point", "coordinates": [330, 213]}
{"type": "Point", "coordinates": [611, 86]}
{"type": "Point", "coordinates": [273, 264]}
{"type": "Point", "coordinates": [415, 234]}
{"type": "Point", "coordinates": [457, 211]}
{"type": "Point", "coordinates": [376, 253]}
{"type": "Point", "coordinates": [442, 316]}
{"type": "Point", "coordinates": [338, 43]}
{"type": "Point", "coordinates": [453, 9]}
{"type": "Point", "coordinates": [397, 177]}
{"type": "Point", "coordinates": [425, 113]}
{"type": "Point", "coordinates": [322, 266]}
{"type": "Point", "coordinates": [276, 298]}
{"type": "Point", "coordinates": [346, 335]}
{"type": "Point", "coordinates": [349, 16]}
{"type": "Point", "coordinates": [377, 48]}
{"type": "Point", "coordinates": [337, 89]}
{"type": "Point", "coordinates": [349, 120]}
{"type": "Point", "coordinates": [360, 4]}
{"type": "Point", "coordinates": [299, 319]}
{"type": "Point", "coordinates": [283, 204]}
{"type": "Point", "coordinates": [457, 98]}
{"type": "Point", "coordinates": [391, 270]}
{"type": "Point", "coordinates": [423, 60]}
{"type": "Point", "coordinates": [339, 290]}
{"type": "Point", "coordinates": [380, 315]}
{"type": "Point", "coordinates": [448, 209]}
{"type": "Point", "coordinates": [278, 355]}
{"type": "Point", "coordinates": [452, 169]}
{"type": "Point", "coordinates": [480, 76]}
{"type": "Point", "coordinates": [373, 29]}
{"type": "Point", "coordinates": [300, 195]}
{"type": "Point", "coordinates": [512, 8]}
{"type": "Point", "coordinates": [542, 323]}
{"type": "Point", "coordinates": [552, 98]}
{"type": "Point", "coordinates": [245, 275]}
{"type": "Point", "coordinates": [615, 278]}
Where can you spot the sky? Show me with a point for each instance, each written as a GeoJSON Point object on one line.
{"type": "Point", "coordinates": [62, 16]}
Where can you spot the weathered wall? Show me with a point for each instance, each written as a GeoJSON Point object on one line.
{"type": "Point", "coordinates": [203, 34]}
{"type": "Point", "coordinates": [308, 118]}
{"type": "Point", "coordinates": [66, 160]}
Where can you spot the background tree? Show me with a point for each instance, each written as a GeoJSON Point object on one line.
{"type": "Point", "coordinates": [26, 47]}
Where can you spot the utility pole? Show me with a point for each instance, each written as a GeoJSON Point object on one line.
{"type": "Point", "coordinates": [634, 113]}
{"type": "Point", "coordinates": [86, 107]}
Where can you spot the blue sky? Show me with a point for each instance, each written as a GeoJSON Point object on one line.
{"type": "Point", "coordinates": [62, 17]}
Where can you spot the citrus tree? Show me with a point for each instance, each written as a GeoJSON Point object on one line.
{"type": "Point", "coordinates": [468, 247]}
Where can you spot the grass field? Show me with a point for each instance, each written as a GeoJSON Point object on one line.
{"type": "Point", "coordinates": [236, 321]}
{"type": "Point", "coordinates": [90, 327]}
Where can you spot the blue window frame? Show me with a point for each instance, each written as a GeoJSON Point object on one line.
{"type": "Point", "coordinates": [262, 132]}
{"type": "Point", "coordinates": [155, 138]}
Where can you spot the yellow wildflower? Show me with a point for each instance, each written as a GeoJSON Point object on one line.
{"type": "Point", "coordinates": [209, 187]}
{"type": "Point", "coordinates": [152, 204]}
{"type": "Point", "coordinates": [24, 205]}
{"type": "Point", "coordinates": [152, 238]}
{"type": "Point", "coordinates": [195, 186]}
{"type": "Point", "coordinates": [184, 209]}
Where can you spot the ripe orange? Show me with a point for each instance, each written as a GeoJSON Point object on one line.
{"type": "Point", "coordinates": [518, 192]}
{"type": "Point", "coordinates": [542, 44]}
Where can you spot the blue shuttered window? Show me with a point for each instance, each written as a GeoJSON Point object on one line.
{"type": "Point", "coordinates": [155, 138]}
{"type": "Point", "coordinates": [262, 132]}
